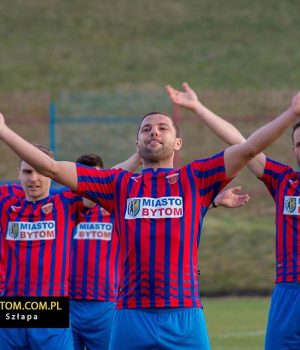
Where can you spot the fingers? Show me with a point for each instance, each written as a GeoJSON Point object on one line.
{"type": "Point", "coordinates": [186, 87]}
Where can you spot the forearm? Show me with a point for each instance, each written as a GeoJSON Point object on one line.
{"type": "Point", "coordinates": [27, 152]}
{"type": "Point", "coordinates": [237, 156]}
{"type": "Point", "coordinates": [267, 134]}
{"type": "Point", "coordinates": [130, 164]}
{"type": "Point", "coordinates": [223, 129]}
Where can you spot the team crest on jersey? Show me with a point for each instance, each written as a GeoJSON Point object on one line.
{"type": "Point", "coordinates": [133, 207]}
{"type": "Point", "coordinates": [47, 208]}
{"type": "Point", "coordinates": [172, 179]}
{"type": "Point", "coordinates": [15, 208]}
{"type": "Point", "coordinates": [13, 230]}
{"type": "Point", "coordinates": [291, 205]}
{"type": "Point", "coordinates": [154, 208]}
{"type": "Point", "coordinates": [30, 231]}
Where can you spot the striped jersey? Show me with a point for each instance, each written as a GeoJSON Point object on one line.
{"type": "Point", "coordinates": [94, 257]}
{"type": "Point", "coordinates": [158, 218]}
{"type": "Point", "coordinates": [283, 183]}
{"type": "Point", "coordinates": [7, 190]}
{"type": "Point", "coordinates": [13, 189]}
{"type": "Point", "coordinates": [35, 244]}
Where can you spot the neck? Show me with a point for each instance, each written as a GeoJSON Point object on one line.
{"type": "Point", "coordinates": [160, 164]}
{"type": "Point", "coordinates": [31, 199]}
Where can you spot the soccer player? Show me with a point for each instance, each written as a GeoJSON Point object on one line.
{"type": "Point", "coordinates": [158, 217]}
{"type": "Point", "coordinates": [35, 240]}
{"type": "Point", "coordinates": [94, 264]}
{"type": "Point", "coordinates": [283, 329]}
{"type": "Point", "coordinates": [93, 268]}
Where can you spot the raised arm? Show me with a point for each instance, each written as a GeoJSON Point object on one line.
{"type": "Point", "coordinates": [62, 172]}
{"type": "Point", "coordinates": [226, 131]}
{"type": "Point", "coordinates": [130, 164]}
{"type": "Point", "coordinates": [237, 156]}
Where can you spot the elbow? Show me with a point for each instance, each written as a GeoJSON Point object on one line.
{"type": "Point", "coordinates": [50, 170]}
{"type": "Point", "coordinates": [250, 151]}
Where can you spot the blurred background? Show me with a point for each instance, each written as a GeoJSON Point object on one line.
{"type": "Point", "coordinates": [78, 75]}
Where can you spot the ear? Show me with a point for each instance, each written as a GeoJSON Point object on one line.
{"type": "Point", "coordinates": [137, 146]}
{"type": "Point", "coordinates": [178, 144]}
{"type": "Point", "coordinates": [19, 172]}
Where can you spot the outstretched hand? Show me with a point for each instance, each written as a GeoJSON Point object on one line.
{"type": "Point", "coordinates": [231, 198]}
{"type": "Point", "coordinates": [187, 98]}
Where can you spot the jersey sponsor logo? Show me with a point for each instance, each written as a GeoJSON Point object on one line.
{"type": "Point", "coordinates": [291, 205]}
{"type": "Point", "coordinates": [94, 230]}
{"type": "Point", "coordinates": [30, 231]}
{"type": "Point", "coordinates": [155, 208]}
{"type": "Point", "coordinates": [172, 179]}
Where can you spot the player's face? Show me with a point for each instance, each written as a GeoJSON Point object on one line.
{"type": "Point", "coordinates": [157, 139]}
{"type": "Point", "coordinates": [35, 185]}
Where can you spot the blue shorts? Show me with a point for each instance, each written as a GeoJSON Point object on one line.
{"type": "Point", "coordinates": [91, 323]}
{"type": "Point", "coordinates": [283, 330]}
{"type": "Point", "coordinates": [36, 339]}
{"type": "Point", "coordinates": [145, 329]}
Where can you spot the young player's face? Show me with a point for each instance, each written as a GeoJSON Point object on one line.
{"type": "Point", "coordinates": [157, 139]}
{"type": "Point", "coordinates": [35, 185]}
{"type": "Point", "coordinates": [296, 145]}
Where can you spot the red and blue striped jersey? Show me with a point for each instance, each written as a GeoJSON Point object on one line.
{"type": "Point", "coordinates": [7, 190]}
{"type": "Point", "coordinates": [283, 184]}
{"type": "Point", "coordinates": [158, 219]}
{"type": "Point", "coordinates": [35, 244]}
{"type": "Point", "coordinates": [13, 189]}
{"type": "Point", "coordinates": [94, 257]}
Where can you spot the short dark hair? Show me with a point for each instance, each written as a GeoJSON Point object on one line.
{"type": "Point", "coordinates": [163, 113]}
{"type": "Point", "coordinates": [294, 128]}
{"type": "Point", "coordinates": [90, 159]}
{"type": "Point", "coordinates": [44, 149]}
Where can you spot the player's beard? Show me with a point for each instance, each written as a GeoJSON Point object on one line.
{"type": "Point", "coordinates": [155, 156]}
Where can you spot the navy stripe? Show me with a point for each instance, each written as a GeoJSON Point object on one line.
{"type": "Point", "coordinates": [90, 179]}
{"type": "Point", "coordinates": [152, 246]}
{"type": "Point", "coordinates": [167, 256]}
{"type": "Point", "coordinates": [17, 254]}
{"type": "Point", "coordinates": [192, 215]}
{"type": "Point", "coordinates": [96, 195]}
{"type": "Point", "coordinates": [137, 241]}
{"type": "Point", "coordinates": [108, 262]}
{"type": "Point", "coordinates": [41, 263]}
{"type": "Point", "coordinates": [123, 227]}
{"type": "Point", "coordinates": [66, 240]}
{"type": "Point", "coordinates": [204, 174]}
{"type": "Point", "coordinates": [53, 250]}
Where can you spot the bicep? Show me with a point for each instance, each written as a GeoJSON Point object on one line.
{"type": "Point", "coordinates": [66, 174]}
{"type": "Point", "coordinates": [257, 165]}
{"type": "Point", "coordinates": [237, 156]}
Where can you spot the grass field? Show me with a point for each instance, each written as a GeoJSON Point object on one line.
{"type": "Point", "coordinates": [82, 46]}
{"type": "Point", "coordinates": [236, 323]}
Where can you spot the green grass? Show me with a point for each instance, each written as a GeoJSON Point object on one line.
{"type": "Point", "coordinates": [236, 323]}
{"type": "Point", "coordinates": [74, 45]}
